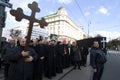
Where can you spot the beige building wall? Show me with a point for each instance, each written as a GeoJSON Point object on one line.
{"type": "Point", "coordinates": [60, 24]}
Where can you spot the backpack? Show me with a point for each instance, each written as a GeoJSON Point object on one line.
{"type": "Point", "coordinates": [101, 57]}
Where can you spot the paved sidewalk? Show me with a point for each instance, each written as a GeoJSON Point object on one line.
{"type": "Point", "coordinates": [83, 74]}
{"type": "Point", "coordinates": [61, 75]}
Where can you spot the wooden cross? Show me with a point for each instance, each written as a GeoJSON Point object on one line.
{"type": "Point", "coordinates": [19, 16]}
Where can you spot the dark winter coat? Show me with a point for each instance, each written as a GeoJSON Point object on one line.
{"type": "Point", "coordinates": [5, 52]}
{"type": "Point", "coordinates": [77, 54]}
{"type": "Point", "coordinates": [39, 64]}
{"type": "Point", "coordinates": [20, 70]}
{"type": "Point", "coordinates": [59, 58]}
{"type": "Point", "coordinates": [95, 60]}
{"type": "Point", "coordinates": [51, 61]}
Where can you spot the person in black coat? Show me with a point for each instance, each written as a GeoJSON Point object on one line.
{"type": "Point", "coordinates": [72, 55]}
{"type": "Point", "coordinates": [21, 62]}
{"type": "Point", "coordinates": [4, 43]}
{"type": "Point", "coordinates": [51, 59]}
{"type": "Point", "coordinates": [84, 55]}
{"type": "Point", "coordinates": [69, 53]}
{"type": "Point", "coordinates": [39, 64]}
{"type": "Point", "coordinates": [8, 47]}
{"type": "Point", "coordinates": [33, 44]}
{"type": "Point", "coordinates": [77, 55]}
{"type": "Point", "coordinates": [65, 55]}
{"type": "Point", "coordinates": [59, 56]}
{"type": "Point", "coordinates": [0, 60]}
{"type": "Point", "coordinates": [97, 61]}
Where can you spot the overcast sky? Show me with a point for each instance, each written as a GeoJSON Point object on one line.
{"type": "Point", "coordinates": [103, 16]}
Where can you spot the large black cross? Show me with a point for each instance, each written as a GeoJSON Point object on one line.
{"type": "Point", "coordinates": [19, 16]}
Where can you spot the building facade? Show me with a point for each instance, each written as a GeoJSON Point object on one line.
{"type": "Point", "coordinates": [61, 24]}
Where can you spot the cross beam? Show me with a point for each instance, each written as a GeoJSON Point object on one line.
{"type": "Point", "coordinates": [103, 41]}
{"type": "Point", "coordinates": [19, 15]}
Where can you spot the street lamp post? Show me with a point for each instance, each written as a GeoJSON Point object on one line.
{"type": "Point", "coordinates": [88, 28]}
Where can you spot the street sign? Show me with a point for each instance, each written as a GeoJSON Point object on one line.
{"type": "Point", "coordinates": [103, 41]}
{"type": "Point", "coordinates": [6, 4]}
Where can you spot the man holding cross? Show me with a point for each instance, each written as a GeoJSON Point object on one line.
{"type": "Point", "coordinates": [21, 62]}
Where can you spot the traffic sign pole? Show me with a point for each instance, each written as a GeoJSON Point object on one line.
{"type": "Point", "coordinates": [2, 9]}
{"type": "Point", "coordinates": [3, 4]}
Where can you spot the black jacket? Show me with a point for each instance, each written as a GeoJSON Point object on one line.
{"type": "Point", "coordinates": [20, 70]}
{"type": "Point", "coordinates": [96, 57]}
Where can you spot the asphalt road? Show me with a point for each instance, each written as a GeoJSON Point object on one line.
{"type": "Point", "coordinates": [111, 71]}
{"type": "Point", "coordinates": [112, 67]}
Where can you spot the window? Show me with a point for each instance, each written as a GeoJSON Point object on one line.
{"type": "Point", "coordinates": [49, 20]}
{"type": "Point", "coordinates": [58, 27]}
{"type": "Point", "coordinates": [50, 28]}
{"type": "Point", "coordinates": [58, 32]}
{"type": "Point", "coordinates": [52, 23]}
{"type": "Point", "coordinates": [53, 28]}
{"type": "Point", "coordinates": [56, 23]}
{"type": "Point", "coordinates": [61, 22]}
{"type": "Point", "coordinates": [56, 18]}
{"type": "Point", "coordinates": [52, 19]}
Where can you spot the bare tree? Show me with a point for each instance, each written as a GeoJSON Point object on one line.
{"type": "Point", "coordinates": [15, 34]}
{"type": "Point", "coordinates": [98, 35]}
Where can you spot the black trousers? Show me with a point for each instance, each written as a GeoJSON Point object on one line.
{"type": "Point", "coordinates": [39, 69]}
{"type": "Point", "coordinates": [0, 63]}
{"type": "Point", "coordinates": [6, 68]}
{"type": "Point", "coordinates": [84, 60]}
{"type": "Point", "coordinates": [77, 63]}
{"type": "Point", "coordinates": [97, 75]}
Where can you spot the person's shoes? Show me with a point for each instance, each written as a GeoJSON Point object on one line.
{"type": "Point", "coordinates": [74, 68]}
{"type": "Point", "coordinates": [5, 79]}
{"type": "Point", "coordinates": [49, 77]}
{"type": "Point", "coordinates": [84, 65]}
{"type": "Point", "coordinates": [79, 68]}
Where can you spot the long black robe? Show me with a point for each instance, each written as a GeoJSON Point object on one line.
{"type": "Point", "coordinates": [6, 62]}
{"type": "Point", "coordinates": [66, 61]}
{"type": "Point", "coordinates": [51, 61]}
{"type": "Point", "coordinates": [59, 58]}
{"type": "Point", "coordinates": [39, 64]}
{"type": "Point", "coordinates": [3, 45]}
{"type": "Point", "coordinates": [20, 70]}
{"type": "Point", "coordinates": [84, 55]}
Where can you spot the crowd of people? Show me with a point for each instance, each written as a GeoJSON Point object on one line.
{"type": "Point", "coordinates": [43, 58]}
